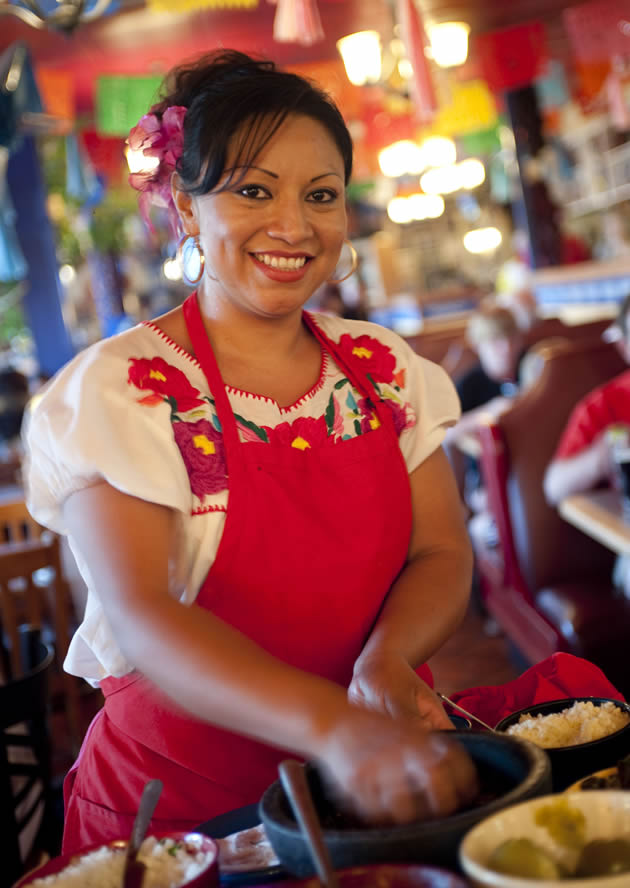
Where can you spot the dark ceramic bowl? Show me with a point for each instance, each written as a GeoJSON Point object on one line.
{"type": "Point", "coordinates": [387, 875]}
{"type": "Point", "coordinates": [209, 878]}
{"type": "Point", "coordinates": [570, 763]}
{"type": "Point", "coordinates": [510, 771]}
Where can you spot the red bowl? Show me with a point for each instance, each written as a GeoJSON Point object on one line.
{"type": "Point", "coordinates": [385, 875]}
{"type": "Point", "coordinates": [209, 878]}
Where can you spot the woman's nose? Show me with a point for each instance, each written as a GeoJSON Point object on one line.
{"type": "Point", "coordinates": [289, 221]}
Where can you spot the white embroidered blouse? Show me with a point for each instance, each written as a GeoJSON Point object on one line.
{"type": "Point", "coordinates": [136, 411]}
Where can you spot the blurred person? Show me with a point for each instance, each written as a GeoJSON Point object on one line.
{"type": "Point", "coordinates": [14, 396]}
{"type": "Point", "coordinates": [584, 457]}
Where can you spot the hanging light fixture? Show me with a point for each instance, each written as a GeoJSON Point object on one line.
{"type": "Point", "coordinates": [449, 43]}
{"type": "Point", "coordinates": [361, 54]}
{"type": "Point", "coordinates": [66, 16]}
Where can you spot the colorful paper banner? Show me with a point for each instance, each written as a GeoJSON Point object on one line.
{"type": "Point", "coordinates": [189, 5]}
{"type": "Point", "coordinates": [472, 108]}
{"type": "Point", "coordinates": [57, 91]}
{"type": "Point", "coordinates": [599, 30]}
{"type": "Point", "coordinates": [121, 102]}
{"type": "Point", "coordinates": [512, 57]}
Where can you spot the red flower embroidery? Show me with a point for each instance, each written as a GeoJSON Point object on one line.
{"type": "Point", "coordinates": [202, 450]}
{"type": "Point", "coordinates": [305, 433]}
{"type": "Point", "coordinates": [369, 416]}
{"type": "Point", "coordinates": [371, 356]}
{"type": "Point", "coordinates": [403, 418]}
{"type": "Point", "coordinates": [164, 381]}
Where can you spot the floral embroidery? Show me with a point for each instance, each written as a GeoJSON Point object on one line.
{"type": "Point", "coordinates": [165, 382]}
{"type": "Point", "coordinates": [203, 452]}
{"type": "Point", "coordinates": [305, 433]}
{"type": "Point", "coordinates": [197, 429]}
{"type": "Point", "coordinates": [375, 359]}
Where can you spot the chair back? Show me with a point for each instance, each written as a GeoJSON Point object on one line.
{"type": "Point", "coordinates": [538, 544]}
{"type": "Point", "coordinates": [33, 589]}
{"type": "Point", "coordinates": [25, 759]}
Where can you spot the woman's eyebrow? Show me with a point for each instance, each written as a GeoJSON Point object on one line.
{"type": "Point", "coordinates": [276, 176]}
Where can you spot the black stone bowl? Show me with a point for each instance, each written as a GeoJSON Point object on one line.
{"type": "Point", "coordinates": [510, 771]}
{"type": "Point", "coordinates": [570, 763]}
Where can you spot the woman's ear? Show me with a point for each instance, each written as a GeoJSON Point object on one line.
{"type": "Point", "coordinates": [185, 206]}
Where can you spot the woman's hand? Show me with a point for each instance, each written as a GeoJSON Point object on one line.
{"type": "Point", "coordinates": [387, 683]}
{"type": "Point", "coordinates": [390, 771]}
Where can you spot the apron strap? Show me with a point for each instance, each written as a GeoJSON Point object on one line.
{"type": "Point", "coordinates": [354, 374]}
{"type": "Point", "coordinates": [205, 356]}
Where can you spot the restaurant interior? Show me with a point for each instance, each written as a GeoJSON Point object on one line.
{"type": "Point", "coordinates": [491, 176]}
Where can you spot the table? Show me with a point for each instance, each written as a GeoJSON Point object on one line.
{"type": "Point", "coordinates": [600, 515]}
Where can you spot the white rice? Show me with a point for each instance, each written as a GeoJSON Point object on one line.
{"type": "Point", "coordinates": [169, 864]}
{"type": "Point", "coordinates": [580, 723]}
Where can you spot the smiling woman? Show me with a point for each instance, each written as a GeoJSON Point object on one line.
{"type": "Point", "coordinates": [257, 496]}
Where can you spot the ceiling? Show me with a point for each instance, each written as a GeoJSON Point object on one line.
{"type": "Point", "coordinates": [135, 40]}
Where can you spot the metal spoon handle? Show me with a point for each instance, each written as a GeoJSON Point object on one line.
{"type": "Point", "coordinates": [465, 712]}
{"type": "Point", "coordinates": [296, 787]}
{"type": "Point", "coordinates": [148, 801]}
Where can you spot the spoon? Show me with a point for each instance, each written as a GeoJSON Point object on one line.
{"type": "Point", "coordinates": [296, 787]}
{"type": "Point", "coordinates": [466, 713]}
{"type": "Point", "coordinates": [133, 869]}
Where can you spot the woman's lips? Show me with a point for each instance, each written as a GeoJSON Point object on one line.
{"type": "Point", "coordinates": [275, 273]}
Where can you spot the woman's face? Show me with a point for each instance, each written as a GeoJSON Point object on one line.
{"type": "Point", "coordinates": [271, 239]}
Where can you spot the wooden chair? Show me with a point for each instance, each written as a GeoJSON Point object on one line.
{"type": "Point", "coordinates": [547, 584]}
{"type": "Point", "coordinates": [27, 821]}
{"type": "Point", "coordinates": [33, 587]}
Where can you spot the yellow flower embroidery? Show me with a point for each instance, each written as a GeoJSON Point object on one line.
{"type": "Point", "coordinates": [201, 442]}
{"type": "Point", "coordinates": [155, 374]}
{"type": "Point", "coordinates": [300, 444]}
{"type": "Point", "coordinates": [375, 422]}
{"type": "Point", "coordinates": [362, 352]}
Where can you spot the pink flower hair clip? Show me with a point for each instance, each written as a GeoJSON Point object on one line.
{"type": "Point", "coordinates": [163, 138]}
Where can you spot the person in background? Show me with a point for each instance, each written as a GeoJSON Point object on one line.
{"type": "Point", "coordinates": [489, 385]}
{"type": "Point", "coordinates": [14, 396]}
{"type": "Point", "coordinates": [583, 457]}
{"type": "Point", "coordinates": [257, 497]}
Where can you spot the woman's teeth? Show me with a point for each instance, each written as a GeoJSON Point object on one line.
{"type": "Point", "coordinates": [282, 262]}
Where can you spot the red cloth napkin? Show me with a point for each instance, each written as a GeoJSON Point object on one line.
{"type": "Point", "coordinates": [559, 676]}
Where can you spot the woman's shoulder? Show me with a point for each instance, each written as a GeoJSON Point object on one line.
{"type": "Point", "coordinates": [115, 363]}
{"type": "Point", "coordinates": [337, 328]}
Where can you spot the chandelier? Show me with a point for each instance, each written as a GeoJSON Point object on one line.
{"type": "Point", "coordinates": [60, 15]}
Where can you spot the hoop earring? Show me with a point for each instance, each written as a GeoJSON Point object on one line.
{"type": "Point", "coordinates": [185, 247]}
{"type": "Point", "coordinates": [353, 267]}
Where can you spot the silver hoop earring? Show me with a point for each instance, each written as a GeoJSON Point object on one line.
{"type": "Point", "coordinates": [353, 266]}
{"type": "Point", "coordinates": [190, 257]}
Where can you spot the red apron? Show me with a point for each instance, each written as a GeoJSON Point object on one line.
{"type": "Point", "coordinates": [312, 542]}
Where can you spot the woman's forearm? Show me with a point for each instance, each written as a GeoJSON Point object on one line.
{"type": "Point", "coordinates": [426, 604]}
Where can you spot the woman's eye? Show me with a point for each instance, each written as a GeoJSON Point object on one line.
{"type": "Point", "coordinates": [323, 195]}
{"type": "Point", "coordinates": [254, 192]}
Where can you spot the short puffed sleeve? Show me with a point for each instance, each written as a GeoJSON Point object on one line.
{"type": "Point", "coordinates": [91, 424]}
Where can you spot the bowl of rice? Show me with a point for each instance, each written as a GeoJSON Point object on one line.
{"type": "Point", "coordinates": [172, 861]}
{"type": "Point", "coordinates": [580, 734]}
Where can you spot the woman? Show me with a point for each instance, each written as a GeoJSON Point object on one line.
{"type": "Point", "coordinates": [277, 474]}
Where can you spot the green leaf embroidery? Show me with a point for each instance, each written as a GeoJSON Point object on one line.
{"type": "Point", "coordinates": [369, 376]}
{"type": "Point", "coordinates": [389, 395]}
{"type": "Point", "coordinates": [329, 415]}
{"type": "Point", "coordinates": [357, 427]}
{"type": "Point", "coordinates": [172, 403]}
{"type": "Point", "coordinates": [216, 422]}
{"type": "Point", "coordinates": [341, 383]}
{"type": "Point", "coordinates": [352, 404]}
{"type": "Point", "coordinates": [262, 434]}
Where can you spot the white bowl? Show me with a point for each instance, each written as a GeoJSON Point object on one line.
{"type": "Point", "coordinates": [607, 814]}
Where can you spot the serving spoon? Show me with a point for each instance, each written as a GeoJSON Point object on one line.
{"type": "Point", "coordinates": [296, 787]}
{"type": "Point", "coordinates": [466, 713]}
{"type": "Point", "coordinates": [133, 869]}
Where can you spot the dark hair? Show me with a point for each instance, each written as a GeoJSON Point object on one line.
{"type": "Point", "coordinates": [227, 92]}
{"type": "Point", "coordinates": [14, 395]}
